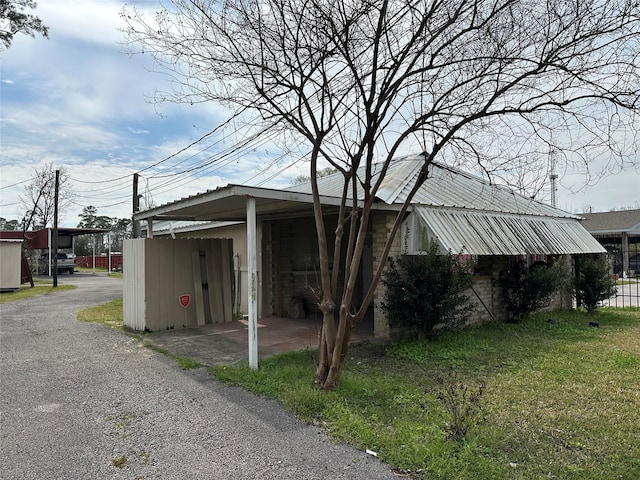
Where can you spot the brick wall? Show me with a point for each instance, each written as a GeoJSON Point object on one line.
{"type": "Point", "coordinates": [382, 223]}
{"type": "Point", "coordinates": [485, 293]}
{"type": "Point", "coordinates": [281, 278]}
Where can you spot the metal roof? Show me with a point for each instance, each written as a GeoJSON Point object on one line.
{"type": "Point", "coordinates": [484, 233]}
{"type": "Point", "coordinates": [445, 187]}
{"type": "Point", "coordinates": [468, 214]}
{"type": "Point", "coordinates": [229, 203]}
{"type": "Point", "coordinates": [465, 212]}
{"type": "Point", "coordinates": [613, 222]}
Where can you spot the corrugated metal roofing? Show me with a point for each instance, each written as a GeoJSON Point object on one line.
{"type": "Point", "coordinates": [484, 233]}
{"type": "Point", "coordinates": [463, 211]}
{"type": "Point", "coordinates": [445, 187]}
{"type": "Point", "coordinates": [468, 214]}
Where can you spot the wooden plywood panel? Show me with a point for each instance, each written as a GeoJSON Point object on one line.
{"type": "Point", "coordinates": [197, 286]}
{"type": "Point", "coordinates": [159, 271]}
{"type": "Point", "coordinates": [133, 298]}
{"type": "Point", "coordinates": [213, 258]}
{"type": "Point", "coordinates": [170, 276]}
{"type": "Point", "coordinates": [182, 275]}
{"type": "Point", "coordinates": [161, 314]}
{"type": "Point", "coordinates": [226, 268]}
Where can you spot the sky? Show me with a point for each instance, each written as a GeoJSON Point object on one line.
{"type": "Point", "coordinates": [78, 101]}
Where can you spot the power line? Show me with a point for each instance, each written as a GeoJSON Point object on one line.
{"type": "Point", "coordinates": [17, 183]}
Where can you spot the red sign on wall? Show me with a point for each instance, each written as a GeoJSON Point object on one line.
{"type": "Point", "coordinates": [185, 300]}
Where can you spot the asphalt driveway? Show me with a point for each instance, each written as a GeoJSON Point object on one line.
{"type": "Point", "coordinates": [84, 401]}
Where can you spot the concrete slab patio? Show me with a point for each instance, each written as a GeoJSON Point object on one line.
{"type": "Point", "coordinates": [227, 343]}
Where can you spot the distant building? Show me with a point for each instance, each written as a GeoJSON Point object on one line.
{"type": "Point", "coordinates": [619, 233]}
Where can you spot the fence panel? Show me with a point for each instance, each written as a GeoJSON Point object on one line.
{"type": "Point", "coordinates": [627, 273]}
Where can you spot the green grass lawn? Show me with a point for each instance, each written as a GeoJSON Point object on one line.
{"type": "Point", "coordinates": [26, 291]}
{"type": "Point", "coordinates": [109, 314]}
{"type": "Point", "coordinates": [561, 401]}
{"type": "Point", "coordinates": [113, 274]}
{"type": "Point", "coordinates": [90, 269]}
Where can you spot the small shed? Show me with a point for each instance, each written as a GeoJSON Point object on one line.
{"type": "Point", "coordinates": [177, 283]}
{"type": "Point", "coordinates": [10, 263]}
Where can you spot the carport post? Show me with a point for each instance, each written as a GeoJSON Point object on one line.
{"type": "Point", "coordinates": [253, 284]}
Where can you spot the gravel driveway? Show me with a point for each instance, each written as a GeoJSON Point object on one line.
{"type": "Point", "coordinates": [82, 401]}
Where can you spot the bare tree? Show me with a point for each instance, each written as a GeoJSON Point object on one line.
{"type": "Point", "coordinates": [494, 83]}
{"type": "Point", "coordinates": [13, 20]}
{"type": "Point", "coordinates": [38, 198]}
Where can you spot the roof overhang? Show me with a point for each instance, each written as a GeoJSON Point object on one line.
{"type": "Point", "coordinates": [488, 233]}
{"type": "Point", "coordinates": [230, 204]}
{"type": "Point", "coordinates": [616, 231]}
{"type": "Point", "coordinates": [40, 239]}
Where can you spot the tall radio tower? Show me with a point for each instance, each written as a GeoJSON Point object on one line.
{"type": "Point", "coordinates": [553, 177]}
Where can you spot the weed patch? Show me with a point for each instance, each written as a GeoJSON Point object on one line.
{"type": "Point", "coordinates": [185, 363]}
{"type": "Point", "coordinates": [109, 314]}
{"type": "Point", "coordinates": [120, 462]}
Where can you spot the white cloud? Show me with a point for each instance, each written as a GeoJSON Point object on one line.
{"type": "Point", "coordinates": [86, 21]}
{"type": "Point", "coordinates": [137, 131]}
{"type": "Point", "coordinates": [78, 101]}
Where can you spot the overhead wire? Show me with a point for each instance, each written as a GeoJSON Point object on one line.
{"type": "Point", "coordinates": [159, 162]}
{"type": "Point", "coordinates": [16, 184]}
{"type": "Point", "coordinates": [200, 168]}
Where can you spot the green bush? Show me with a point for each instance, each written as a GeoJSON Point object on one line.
{"type": "Point", "coordinates": [527, 289]}
{"type": "Point", "coordinates": [427, 290]}
{"type": "Point", "coordinates": [592, 282]}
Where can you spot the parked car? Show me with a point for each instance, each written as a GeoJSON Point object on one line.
{"type": "Point", "coordinates": [66, 263]}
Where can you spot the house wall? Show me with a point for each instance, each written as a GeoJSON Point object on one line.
{"type": "Point", "coordinates": [289, 269]}
{"type": "Point", "coordinates": [486, 293]}
{"type": "Point", "coordinates": [291, 265]}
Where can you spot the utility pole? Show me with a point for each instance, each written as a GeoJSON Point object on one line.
{"type": "Point", "coordinates": [54, 240]}
{"type": "Point", "coordinates": [136, 208]}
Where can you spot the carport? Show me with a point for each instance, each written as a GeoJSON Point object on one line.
{"type": "Point", "coordinates": [240, 204]}
{"type": "Point", "coordinates": [43, 240]}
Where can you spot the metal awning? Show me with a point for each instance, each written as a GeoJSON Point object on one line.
{"type": "Point", "coordinates": [488, 233]}
{"type": "Point", "coordinates": [229, 204]}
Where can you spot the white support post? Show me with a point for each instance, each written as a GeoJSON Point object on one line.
{"type": "Point", "coordinates": [150, 227]}
{"type": "Point", "coordinates": [253, 283]}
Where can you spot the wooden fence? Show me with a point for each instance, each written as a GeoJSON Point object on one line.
{"type": "Point", "coordinates": [101, 261]}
